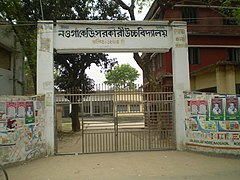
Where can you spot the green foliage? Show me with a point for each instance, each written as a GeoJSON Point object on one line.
{"type": "Point", "coordinates": [122, 76]}
{"type": "Point", "coordinates": [232, 13]}
{"type": "Point", "coordinates": [23, 15]}
{"type": "Point", "coordinates": [70, 69]}
{"type": "Point", "coordinates": [141, 4]}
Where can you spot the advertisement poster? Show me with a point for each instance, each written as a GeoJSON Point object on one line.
{"type": "Point", "coordinates": [232, 109]}
{"type": "Point", "coordinates": [2, 109]}
{"type": "Point", "coordinates": [194, 107]}
{"type": "Point", "coordinates": [21, 108]}
{"type": "Point", "coordinates": [199, 107]}
{"type": "Point", "coordinates": [229, 126]}
{"type": "Point", "coordinates": [3, 120]}
{"type": "Point", "coordinates": [29, 116]}
{"type": "Point", "coordinates": [3, 125]}
{"type": "Point", "coordinates": [11, 109]}
{"type": "Point", "coordinates": [203, 106]}
{"type": "Point", "coordinates": [216, 109]}
{"type": "Point", "coordinates": [208, 126]}
{"type": "Point", "coordinates": [193, 123]}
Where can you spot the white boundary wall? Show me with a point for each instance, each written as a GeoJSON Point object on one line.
{"type": "Point", "coordinates": [208, 130]}
{"type": "Point", "coordinates": [22, 134]}
{"type": "Point", "coordinates": [112, 36]}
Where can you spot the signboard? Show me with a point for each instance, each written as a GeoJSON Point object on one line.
{"type": "Point", "coordinates": [110, 36]}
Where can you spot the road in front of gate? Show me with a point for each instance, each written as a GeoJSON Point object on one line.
{"type": "Point", "coordinates": [157, 165]}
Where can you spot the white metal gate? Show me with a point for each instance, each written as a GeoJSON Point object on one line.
{"type": "Point", "coordinates": [116, 121]}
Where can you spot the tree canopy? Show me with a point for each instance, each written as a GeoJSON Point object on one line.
{"type": "Point", "coordinates": [233, 12]}
{"type": "Point", "coordinates": [122, 76]}
{"type": "Point", "coordinates": [70, 70]}
{"type": "Point", "coordinates": [23, 15]}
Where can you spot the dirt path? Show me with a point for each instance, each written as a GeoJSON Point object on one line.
{"type": "Point", "coordinates": [133, 166]}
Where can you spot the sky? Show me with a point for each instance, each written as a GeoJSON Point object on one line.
{"type": "Point", "coordinates": [122, 58]}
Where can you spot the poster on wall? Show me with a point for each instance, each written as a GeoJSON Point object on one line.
{"type": "Point", "coordinates": [203, 108]}
{"type": "Point", "coordinates": [216, 112]}
{"type": "Point", "coordinates": [194, 107]}
{"type": "Point", "coordinates": [229, 126]}
{"type": "Point", "coordinates": [192, 123]}
{"type": "Point", "coordinates": [231, 109]}
{"type": "Point", "coordinates": [3, 125]}
{"type": "Point", "coordinates": [2, 110]}
{"type": "Point", "coordinates": [3, 120]}
{"type": "Point", "coordinates": [208, 126]}
{"type": "Point", "coordinates": [199, 107]}
{"type": "Point", "coordinates": [29, 117]}
{"type": "Point", "coordinates": [21, 108]}
{"type": "Point", "coordinates": [11, 109]}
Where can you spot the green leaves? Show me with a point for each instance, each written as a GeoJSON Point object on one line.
{"type": "Point", "coordinates": [122, 76]}
{"type": "Point", "coordinates": [231, 9]}
{"type": "Point", "coordinates": [23, 15]}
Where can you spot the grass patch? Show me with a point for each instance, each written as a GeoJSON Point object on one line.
{"type": "Point", "coordinates": [66, 127]}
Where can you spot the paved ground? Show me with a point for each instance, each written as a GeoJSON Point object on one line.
{"type": "Point", "coordinates": [164, 165]}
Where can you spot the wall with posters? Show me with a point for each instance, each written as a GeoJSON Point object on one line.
{"type": "Point", "coordinates": [212, 122]}
{"type": "Point", "coordinates": [22, 128]}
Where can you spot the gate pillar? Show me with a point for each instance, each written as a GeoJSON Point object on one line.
{"type": "Point", "coordinates": [45, 82]}
{"type": "Point", "coordinates": [181, 80]}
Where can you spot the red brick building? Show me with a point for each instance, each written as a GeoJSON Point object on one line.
{"type": "Point", "coordinates": [214, 45]}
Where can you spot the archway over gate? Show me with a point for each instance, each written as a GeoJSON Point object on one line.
{"type": "Point", "coordinates": [112, 36]}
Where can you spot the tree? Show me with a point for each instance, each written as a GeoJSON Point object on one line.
{"type": "Point", "coordinates": [70, 77]}
{"type": "Point", "coordinates": [233, 12]}
{"type": "Point", "coordinates": [143, 62]}
{"type": "Point", "coordinates": [122, 76]}
{"type": "Point", "coordinates": [163, 5]}
{"type": "Point", "coordinates": [70, 68]}
{"type": "Point", "coordinates": [23, 15]}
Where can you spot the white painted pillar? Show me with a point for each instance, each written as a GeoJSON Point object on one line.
{"type": "Point", "coordinates": [181, 79]}
{"type": "Point", "coordinates": [45, 79]}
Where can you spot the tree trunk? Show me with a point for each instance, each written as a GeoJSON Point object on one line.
{"type": "Point", "coordinates": [75, 118]}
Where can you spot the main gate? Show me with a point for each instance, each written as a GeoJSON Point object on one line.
{"type": "Point", "coordinates": [116, 36]}
{"type": "Point", "coordinates": [116, 121]}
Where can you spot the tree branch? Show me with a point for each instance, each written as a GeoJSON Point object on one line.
{"type": "Point", "coordinates": [122, 4]}
{"type": "Point", "coordinates": [130, 9]}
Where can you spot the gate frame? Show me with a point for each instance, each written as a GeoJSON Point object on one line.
{"type": "Point", "coordinates": [151, 135]}
{"type": "Point", "coordinates": [177, 31]}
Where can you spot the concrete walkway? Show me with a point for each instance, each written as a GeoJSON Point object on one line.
{"type": "Point", "coordinates": [133, 166]}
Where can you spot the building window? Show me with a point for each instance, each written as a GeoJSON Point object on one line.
{"type": "Point", "coordinates": [5, 59]}
{"type": "Point", "coordinates": [194, 55]}
{"type": "Point", "coordinates": [156, 60]}
{"type": "Point", "coordinates": [86, 109]}
{"type": "Point", "coordinates": [135, 108]}
{"type": "Point", "coordinates": [66, 111]}
{"type": "Point", "coordinates": [234, 54]}
{"type": "Point", "coordinates": [122, 108]}
{"type": "Point", "coordinates": [189, 15]}
{"type": "Point", "coordinates": [105, 109]}
{"type": "Point", "coordinates": [96, 109]}
{"type": "Point", "coordinates": [237, 88]}
{"type": "Point", "coordinates": [159, 60]}
{"type": "Point", "coordinates": [153, 65]}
